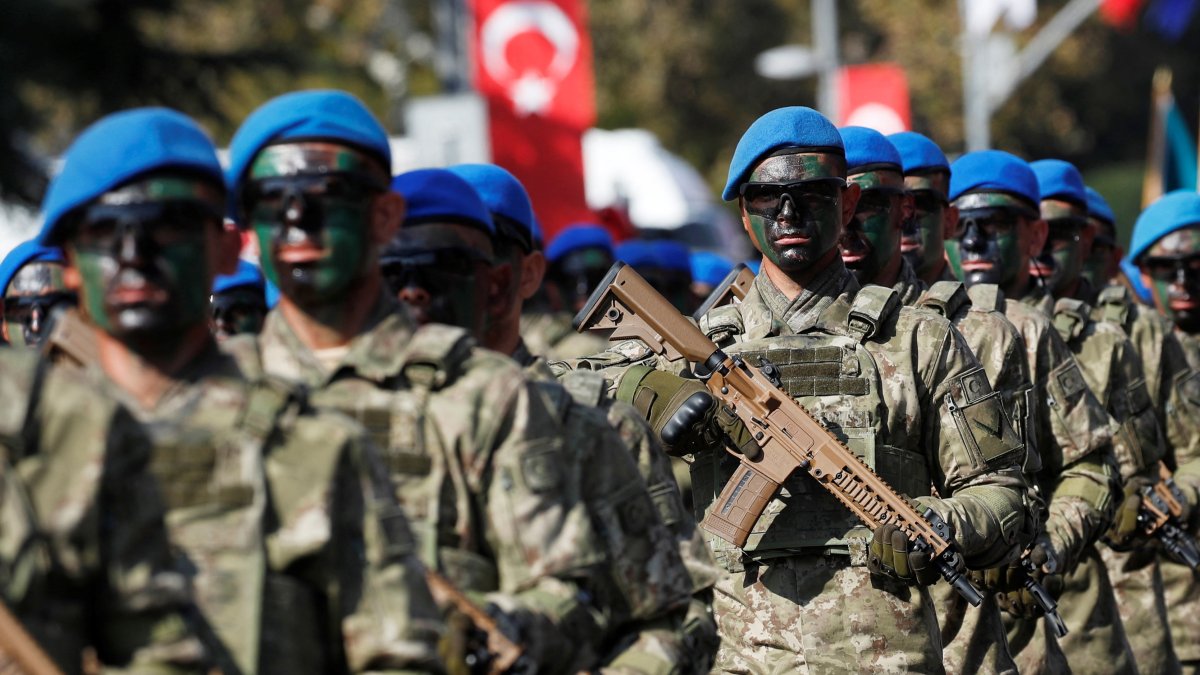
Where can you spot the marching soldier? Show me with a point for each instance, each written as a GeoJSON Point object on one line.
{"type": "Point", "coordinates": [32, 293]}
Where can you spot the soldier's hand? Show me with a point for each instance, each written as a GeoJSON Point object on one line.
{"type": "Point", "coordinates": [890, 552]}
{"type": "Point", "coordinates": [1016, 599]}
{"type": "Point", "coordinates": [683, 412]}
{"type": "Point", "coordinates": [1123, 534]}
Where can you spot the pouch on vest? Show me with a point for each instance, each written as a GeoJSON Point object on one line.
{"type": "Point", "coordinates": [946, 298]}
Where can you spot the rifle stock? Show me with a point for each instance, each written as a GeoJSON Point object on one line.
{"type": "Point", "coordinates": [503, 653]}
{"type": "Point", "coordinates": [21, 648]}
{"type": "Point", "coordinates": [790, 438]}
{"type": "Point", "coordinates": [734, 286]}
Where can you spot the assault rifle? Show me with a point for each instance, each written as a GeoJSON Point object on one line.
{"type": "Point", "coordinates": [497, 654]}
{"type": "Point", "coordinates": [789, 436]}
{"type": "Point", "coordinates": [1159, 517]}
{"type": "Point", "coordinates": [735, 285]}
{"type": "Point", "coordinates": [19, 647]}
{"type": "Point", "coordinates": [1041, 596]}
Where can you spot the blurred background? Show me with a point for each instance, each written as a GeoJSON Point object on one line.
{"type": "Point", "coordinates": [624, 112]}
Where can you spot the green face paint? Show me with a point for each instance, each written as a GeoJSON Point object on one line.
{"type": "Point", "coordinates": [310, 206]}
{"type": "Point", "coordinates": [1173, 266]}
{"type": "Point", "coordinates": [36, 291]}
{"type": "Point", "coordinates": [1098, 266]}
{"type": "Point", "coordinates": [923, 239]}
{"type": "Point", "coordinates": [989, 250]}
{"type": "Point", "coordinates": [142, 257]}
{"type": "Point", "coordinates": [1061, 260]}
{"type": "Point", "coordinates": [793, 203]}
{"type": "Point", "coordinates": [872, 239]}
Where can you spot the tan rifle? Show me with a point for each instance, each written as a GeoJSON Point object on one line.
{"type": "Point", "coordinates": [1159, 517]}
{"type": "Point", "coordinates": [734, 286]}
{"type": "Point", "coordinates": [790, 438]}
{"type": "Point", "coordinates": [502, 653]}
{"type": "Point", "coordinates": [19, 647]}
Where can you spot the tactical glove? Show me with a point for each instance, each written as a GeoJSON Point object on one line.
{"type": "Point", "coordinates": [1123, 534]}
{"type": "Point", "coordinates": [1017, 600]}
{"type": "Point", "coordinates": [892, 554]}
{"type": "Point", "coordinates": [683, 413]}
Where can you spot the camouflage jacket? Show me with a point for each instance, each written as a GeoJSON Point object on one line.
{"type": "Point", "coordinates": [1078, 474]}
{"type": "Point", "coordinates": [84, 558]}
{"type": "Point", "coordinates": [1186, 458]}
{"type": "Point", "coordinates": [511, 504]}
{"type": "Point", "coordinates": [551, 335]}
{"type": "Point", "coordinates": [898, 385]}
{"type": "Point", "coordinates": [284, 518]}
{"type": "Point", "coordinates": [908, 286]}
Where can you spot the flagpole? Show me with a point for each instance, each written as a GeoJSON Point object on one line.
{"type": "Point", "coordinates": [1160, 96]}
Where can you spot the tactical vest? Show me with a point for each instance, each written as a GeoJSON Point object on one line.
{"type": "Point", "coordinates": [210, 470]}
{"type": "Point", "coordinates": [22, 554]}
{"type": "Point", "coordinates": [836, 379]}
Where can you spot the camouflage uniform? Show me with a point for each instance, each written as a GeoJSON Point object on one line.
{"type": "Point", "coordinates": [699, 638]}
{"type": "Point", "coordinates": [545, 519]}
{"type": "Point", "coordinates": [1113, 371]}
{"type": "Point", "coordinates": [1180, 583]}
{"type": "Point", "coordinates": [1076, 474]}
{"type": "Point", "coordinates": [551, 335]}
{"type": "Point", "coordinates": [798, 596]}
{"type": "Point", "coordinates": [282, 517]}
{"type": "Point", "coordinates": [908, 286]}
{"type": "Point", "coordinates": [973, 639]}
{"type": "Point", "coordinates": [84, 559]}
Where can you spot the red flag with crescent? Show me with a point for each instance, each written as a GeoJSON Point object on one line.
{"type": "Point", "coordinates": [533, 64]}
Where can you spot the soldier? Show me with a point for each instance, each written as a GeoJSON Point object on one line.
{"type": "Point", "coordinates": [870, 243]}
{"type": "Point", "coordinates": [1166, 247]}
{"type": "Point", "coordinates": [31, 283]}
{"type": "Point", "coordinates": [708, 271]}
{"type": "Point", "coordinates": [810, 590]}
{"type": "Point", "coordinates": [576, 261]}
{"type": "Point", "coordinates": [934, 221]}
{"type": "Point", "coordinates": [239, 302]}
{"type": "Point", "coordinates": [282, 518]}
{"type": "Point", "coordinates": [441, 232]}
{"type": "Point", "coordinates": [1113, 371]}
{"type": "Point", "coordinates": [1102, 266]}
{"type": "Point", "coordinates": [478, 460]}
{"type": "Point", "coordinates": [84, 559]}
{"type": "Point", "coordinates": [665, 264]}
{"type": "Point", "coordinates": [973, 640]}
{"type": "Point", "coordinates": [997, 196]}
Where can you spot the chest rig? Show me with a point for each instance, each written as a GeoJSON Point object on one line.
{"type": "Point", "coordinates": [209, 463]}
{"type": "Point", "coordinates": [831, 373]}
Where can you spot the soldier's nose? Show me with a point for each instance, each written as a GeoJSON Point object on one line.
{"type": "Point", "coordinates": [415, 296]}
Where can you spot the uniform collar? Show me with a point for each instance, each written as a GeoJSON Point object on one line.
{"type": "Point", "coordinates": [806, 309]}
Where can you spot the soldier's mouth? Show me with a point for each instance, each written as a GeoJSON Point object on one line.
{"type": "Point", "coordinates": [976, 265]}
{"type": "Point", "coordinates": [1183, 304]}
{"type": "Point", "coordinates": [792, 240]}
{"type": "Point", "coordinates": [906, 245]}
{"type": "Point", "coordinates": [298, 255]}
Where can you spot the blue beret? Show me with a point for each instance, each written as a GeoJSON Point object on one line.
{"type": "Point", "coordinates": [918, 152]}
{"type": "Point", "coordinates": [323, 114]}
{"type": "Point", "coordinates": [247, 274]}
{"type": "Point", "coordinates": [121, 147]}
{"type": "Point", "coordinates": [1058, 179]}
{"type": "Point", "coordinates": [1173, 211]}
{"type": "Point", "coordinates": [710, 268]}
{"type": "Point", "coordinates": [1098, 207]}
{"type": "Point", "coordinates": [272, 295]}
{"type": "Point", "coordinates": [502, 193]}
{"type": "Point", "coordinates": [577, 236]}
{"type": "Point", "coordinates": [993, 171]}
{"type": "Point", "coordinates": [22, 255]}
{"type": "Point", "coordinates": [792, 127]}
{"type": "Point", "coordinates": [1134, 275]}
{"type": "Point", "coordinates": [439, 196]}
{"type": "Point", "coordinates": [866, 146]}
{"type": "Point", "coordinates": [662, 253]}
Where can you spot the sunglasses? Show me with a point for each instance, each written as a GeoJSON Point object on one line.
{"type": "Point", "coordinates": [1170, 268]}
{"type": "Point", "coordinates": [766, 199]}
{"type": "Point", "coordinates": [993, 221]}
{"type": "Point", "coordinates": [927, 201]}
{"type": "Point", "coordinates": [21, 309]}
{"type": "Point", "coordinates": [876, 199]}
{"type": "Point", "coordinates": [267, 198]}
{"type": "Point", "coordinates": [399, 267]}
{"type": "Point", "coordinates": [166, 223]}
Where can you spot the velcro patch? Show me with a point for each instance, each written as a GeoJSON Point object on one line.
{"type": "Point", "coordinates": [1071, 381]}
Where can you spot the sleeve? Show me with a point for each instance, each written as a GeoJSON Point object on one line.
{"type": "Point", "coordinates": [978, 462]}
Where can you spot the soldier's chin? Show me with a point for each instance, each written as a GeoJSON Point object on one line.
{"type": "Point", "coordinates": [140, 323]}
{"type": "Point", "coordinates": [913, 256]}
{"type": "Point", "coordinates": [989, 275]}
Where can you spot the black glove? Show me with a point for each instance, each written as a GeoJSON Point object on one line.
{"type": "Point", "coordinates": [1017, 600]}
{"type": "Point", "coordinates": [891, 553]}
{"type": "Point", "coordinates": [684, 414]}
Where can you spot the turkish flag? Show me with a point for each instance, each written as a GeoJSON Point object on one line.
{"type": "Point", "coordinates": [533, 64]}
{"type": "Point", "coordinates": [874, 95]}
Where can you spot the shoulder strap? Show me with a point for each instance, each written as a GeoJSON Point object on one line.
{"type": "Point", "coordinates": [434, 355]}
{"type": "Point", "coordinates": [946, 298]}
{"type": "Point", "coordinates": [987, 297]}
{"type": "Point", "coordinates": [722, 323]}
{"type": "Point", "coordinates": [268, 399]}
{"type": "Point", "coordinates": [1115, 305]}
{"type": "Point", "coordinates": [1071, 317]}
{"type": "Point", "coordinates": [872, 307]}
{"type": "Point", "coordinates": [21, 375]}
{"type": "Point", "coordinates": [586, 387]}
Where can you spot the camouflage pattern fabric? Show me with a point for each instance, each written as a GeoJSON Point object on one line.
{"type": "Point", "coordinates": [550, 335]}
{"type": "Point", "coordinates": [1141, 598]}
{"type": "Point", "coordinates": [1181, 586]}
{"type": "Point", "coordinates": [781, 608]}
{"type": "Point", "coordinates": [284, 520]}
{"type": "Point", "coordinates": [511, 506]}
{"type": "Point", "coordinates": [84, 558]}
{"type": "Point", "coordinates": [697, 642]}
{"type": "Point", "coordinates": [908, 286]}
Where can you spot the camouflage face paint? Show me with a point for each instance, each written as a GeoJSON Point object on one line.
{"type": "Point", "coordinates": [142, 256]}
{"type": "Point", "coordinates": [1099, 264]}
{"type": "Point", "coordinates": [1172, 265]}
{"type": "Point", "coordinates": [988, 248]}
{"type": "Point", "coordinates": [1061, 260]}
{"type": "Point", "coordinates": [872, 239]}
{"type": "Point", "coordinates": [805, 220]}
{"type": "Point", "coordinates": [310, 206]}
{"type": "Point", "coordinates": [923, 238]}
{"type": "Point", "coordinates": [35, 293]}
{"type": "Point", "coordinates": [442, 272]}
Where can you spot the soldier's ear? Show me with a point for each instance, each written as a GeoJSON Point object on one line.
{"type": "Point", "coordinates": [950, 222]}
{"type": "Point", "coordinates": [387, 213]}
{"type": "Point", "coordinates": [850, 196]}
{"type": "Point", "coordinates": [1038, 231]}
{"type": "Point", "coordinates": [533, 271]}
{"type": "Point", "coordinates": [71, 277]}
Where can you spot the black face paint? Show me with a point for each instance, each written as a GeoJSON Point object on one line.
{"type": "Point", "coordinates": [441, 285]}
{"type": "Point", "coordinates": [988, 246]}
